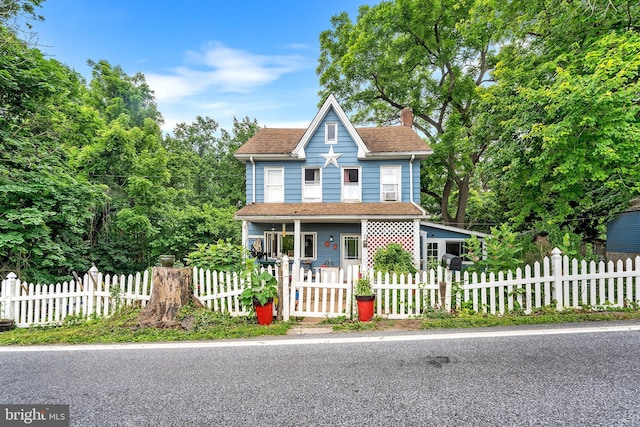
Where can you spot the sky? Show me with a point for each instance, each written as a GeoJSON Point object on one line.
{"type": "Point", "coordinates": [221, 59]}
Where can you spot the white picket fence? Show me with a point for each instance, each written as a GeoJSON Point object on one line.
{"type": "Point", "coordinates": [556, 281]}
{"type": "Point", "coordinates": [99, 295]}
{"type": "Point", "coordinates": [31, 304]}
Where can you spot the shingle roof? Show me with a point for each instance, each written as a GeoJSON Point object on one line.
{"type": "Point", "coordinates": [272, 141]}
{"type": "Point", "coordinates": [324, 210]}
{"type": "Point", "coordinates": [391, 139]}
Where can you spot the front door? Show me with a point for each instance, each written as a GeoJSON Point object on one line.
{"type": "Point", "coordinates": [351, 250]}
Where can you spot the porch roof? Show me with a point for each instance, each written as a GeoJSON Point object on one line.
{"type": "Point", "coordinates": [329, 212]}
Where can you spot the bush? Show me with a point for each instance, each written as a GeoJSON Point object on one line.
{"type": "Point", "coordinates": [393, 258]}
{"type": "Point", "coordinates": [220, 256]}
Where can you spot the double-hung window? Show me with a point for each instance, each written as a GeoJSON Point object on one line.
{"type": "Point", "coordinates": [351, 185]}
{"type": "Point", "coordinates": [311, 186]}
{"type": "Point", "coordinates": [274, 185]}
{"type": "Point", "coordinates": [331, 133]}
{"type": "Point", "coordinates": [390, 183]}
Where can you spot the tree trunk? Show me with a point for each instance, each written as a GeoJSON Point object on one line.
{"type": "Point", "coordinates": [171, 291]}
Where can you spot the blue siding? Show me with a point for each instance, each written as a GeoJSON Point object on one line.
{"type": "Point", "coordinates": [416, 181]}
{"type": "Point", "coordinates": [332, 176]}
{"type": "Point", "coordinates": [623, 233]}
{"type": "Point", "coordinates": [324, 232]}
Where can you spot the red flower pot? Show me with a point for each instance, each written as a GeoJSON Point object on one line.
{"type": "Point", "coordinates": [264, 313]}
{"type": "Point", "coordinates": [365, 307]}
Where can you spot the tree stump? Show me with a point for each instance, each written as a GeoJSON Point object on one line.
{"type": "Point", "coordinates": [171, 291]}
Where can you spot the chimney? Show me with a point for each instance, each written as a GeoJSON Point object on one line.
{"type": "Point", "coordinates": [406, 116]}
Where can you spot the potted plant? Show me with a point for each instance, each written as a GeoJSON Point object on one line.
{"type": "Point", "coordinates": [365, 299]}
{"type": "Point", "coordinates": [258, 294]}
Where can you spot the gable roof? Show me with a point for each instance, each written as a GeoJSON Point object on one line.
{"type": "Point", "coordinates": [330, 103]}
{"type": "Point", "coordinates": [390, 141]}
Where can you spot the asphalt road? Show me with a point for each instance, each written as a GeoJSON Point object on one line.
{"type": "Point", "coordinates": [446, 378]}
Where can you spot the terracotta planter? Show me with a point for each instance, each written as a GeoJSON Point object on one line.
{"type": "Point", "coordinates": [264, 313]}
{"type": "Point", "coordinates": [365, 307]}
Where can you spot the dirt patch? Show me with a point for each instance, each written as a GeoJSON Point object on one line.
{"type": "Point", "coordinates": [400, 325]}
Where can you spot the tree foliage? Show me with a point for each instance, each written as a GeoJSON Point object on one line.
{"type": "Point", "coordinates": [44, 206]}
{"type": "Point", "coordinates": [563, 114]}
{"type": "Point", "coordinates": [86, 175]}
{"type": "Point", "coordinates": [423, 54]}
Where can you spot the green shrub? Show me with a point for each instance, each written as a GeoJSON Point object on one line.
{"type": "Point", "coordinates": [502, 250]}
{"type": "Point", "coordinates": [220, 256]}
{"type": "Point", "coordinates": [393, 258]}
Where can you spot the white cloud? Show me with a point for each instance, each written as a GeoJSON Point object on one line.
{"type": "Point", "coordinates": [223, 70]}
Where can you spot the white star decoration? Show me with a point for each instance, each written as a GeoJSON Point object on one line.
{"type": "Point", "coordinates": [331, 158]}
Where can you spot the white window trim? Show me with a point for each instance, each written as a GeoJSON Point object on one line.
{"type": "Point", "coordinates": [307, 199]}
{"type": "Point", "coordinates": [326, 133]}
{"type": "Point", "coordinates": [266, 184]}
{"type": "Point", "coordinates": [315, 245]}
{"type": "Point", "coordinates": [383, 198]}
{"type": "Point", "coordinates": [442, 246]}
{"type": "Point", "coordinates": [342, 185]}
{"type": "Point", "coordinates": [269, 237]}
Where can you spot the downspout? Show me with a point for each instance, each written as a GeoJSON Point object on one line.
{"type": "Point", "coordinates": [253, 180]}
{"type": "Point", "coordinates": [424, 212]}
{"type": "Point", "coordinates": [413, 156]}
{"type": "Point", "coordinates": [416, 224]}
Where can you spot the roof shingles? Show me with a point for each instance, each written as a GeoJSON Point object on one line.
{"type": "Point", "coordinates": [320, 210]}
{"type": "Point", "coordinates": [391, 139]}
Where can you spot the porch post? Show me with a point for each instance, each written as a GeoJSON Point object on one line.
{"type": "Point", "coordinates": [416, 242]}
{"type": "Point", "coordinates": [245, 234]}
{"type": "Point", "coordinates": [365, 250]}
{"type": "Point", "coordinates": [297, 249]}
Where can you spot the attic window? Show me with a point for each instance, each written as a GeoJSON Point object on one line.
{"type": "Point", "coordinates": [330, 133]}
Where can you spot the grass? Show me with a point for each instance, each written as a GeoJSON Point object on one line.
{"type": "Point", "coordinates": [123, 327]}
{"type": "Point", "coordinates": [437, 319]}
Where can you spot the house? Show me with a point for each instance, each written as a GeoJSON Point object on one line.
{"type": "Point", "coordinates": [438, 240]}
{"type": "Point", "coordinates": [331, 194]}
{"type": "Point", "coordinates": [623, 234]}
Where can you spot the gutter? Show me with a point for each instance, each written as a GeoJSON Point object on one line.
{"type": "Point", "coordinates": [253, 179]}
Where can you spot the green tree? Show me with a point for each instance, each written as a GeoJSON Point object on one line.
{"type": "Point", "coordinates": [127, 156]}
{"type": "Point", "coordinates": [44, 205]}
{"type": "Point", "coordinates": [114, 93]}
{"type": "Point", "coordinates": [202, 165]}
{"type": "Point", "coordinates": [563, 114]}
{"type": "Point", "coordinates": [424, 54]}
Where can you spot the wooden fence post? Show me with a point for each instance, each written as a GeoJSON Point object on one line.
{"type": "Point", "coordinates": [556, 270]}
{"type": "Point", "coordinates": [283, 311]}
{"type": "Point", "coordinates": [7, 295]}
{"type": "Point", "coordinates": [91, 284]}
